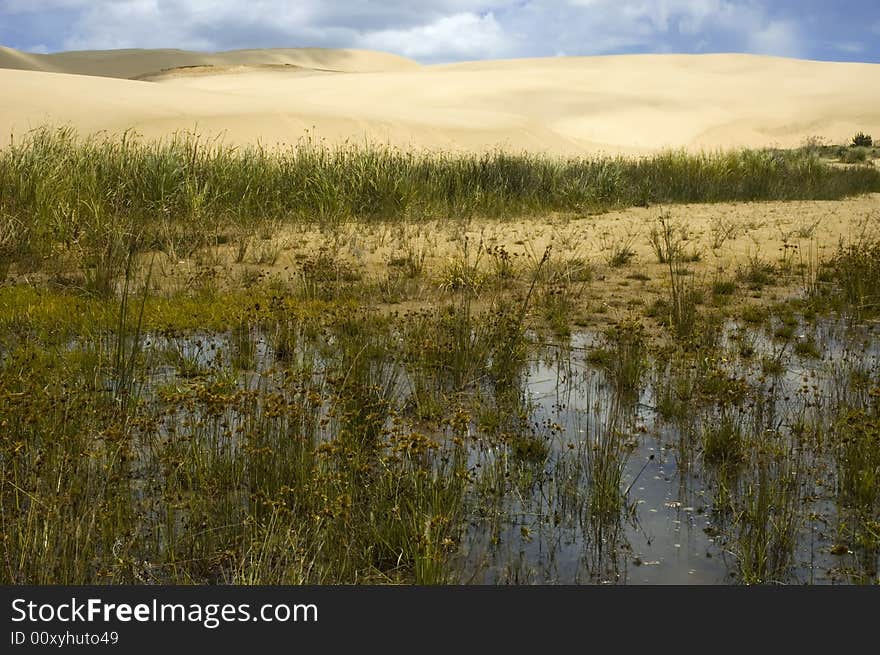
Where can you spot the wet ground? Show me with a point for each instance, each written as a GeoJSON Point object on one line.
{"type": "Point", "coordinates": [674, 526]}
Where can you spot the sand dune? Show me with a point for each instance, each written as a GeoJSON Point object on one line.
{"type": "Point", "coordinates": [131, 64]}
{"type": "Point", "coordinates": [628, 104]}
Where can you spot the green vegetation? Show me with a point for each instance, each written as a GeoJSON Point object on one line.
{"type": "Point", "coordinates": [497, 416]}
{"type": "Point", "coordinates": [855, 155]}
{"type": "Point", "coordinates": [624, 357]}
{"type": "Point", "coordinates": [860, 149]}
{"type": "Point", "coordinates": [723, 443]}
{"type": "Point", "coordinates": [862, 140]}
{"type": "Point", "coordinates": [856, 270]}
{"type": "Point", "coordinates": [92, 200]}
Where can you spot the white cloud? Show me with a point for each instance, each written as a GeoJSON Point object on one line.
{"type": "Point", "coordinates": [460, 36]}
{"type": "Point", "coordinates": [851, 47]}
{"type": "Point", "coordinates": [694, 16]}
{"type": "Point", "coordinates": [195, 24]}
{"type": "Point", "coordinates": [430, 30]}
{"type": "Point", "coordinates": [37, 6]}
{"type": "Point", "coordinates": [606, 26]}
{"type": "Point", "coordinates": [776, 38]}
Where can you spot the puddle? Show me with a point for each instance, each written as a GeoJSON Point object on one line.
{"type": "Point", "coordinates": [541, 530]}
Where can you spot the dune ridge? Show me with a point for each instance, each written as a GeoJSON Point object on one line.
{"type": "Point", "coordinates": [135, 63]}
{"type": "Point", "coordinates": [627, 104]}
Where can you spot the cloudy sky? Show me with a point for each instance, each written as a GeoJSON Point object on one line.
{"type": "Point", "coordinates": [451, 30]}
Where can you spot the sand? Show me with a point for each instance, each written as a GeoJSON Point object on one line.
{"type": "Point", "coordinates": [631, 104]}
{"type": "Point", "coordinates": [791, 237]}
{"type": "Point", "coordinates": [134, 64]}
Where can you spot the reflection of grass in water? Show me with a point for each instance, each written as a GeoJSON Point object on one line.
{"type": "Point", "coordinates": [327, 449]}
{"type": "Point", "coordinates": [768, 513]}
{"type": "Point", "coordinates": [858, 460]}
{"type": "Point", "coordinates": [605, 455]}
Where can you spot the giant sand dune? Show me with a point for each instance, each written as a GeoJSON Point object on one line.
{"type": "Point", "coordinates": [567, 105]}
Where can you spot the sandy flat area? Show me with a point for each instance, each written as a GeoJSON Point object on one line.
{"type": "Point", "coordinates": [724, 240]}
{"type": "Point", "coordinates": [629, 104]}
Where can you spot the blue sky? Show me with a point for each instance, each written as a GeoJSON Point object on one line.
{"type": "Point", "coordinates": [453, 30]}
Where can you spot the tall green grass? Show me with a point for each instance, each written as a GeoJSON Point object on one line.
{"type": "Point", "coordinates": [57, 188]}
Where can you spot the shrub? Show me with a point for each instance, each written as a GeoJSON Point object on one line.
{"type": "Point", "coordinates": [855, 155]}
{"type": "Point", "coordinates": [862, 140]}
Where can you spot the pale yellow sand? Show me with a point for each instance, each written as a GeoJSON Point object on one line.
{"type": "Point", "coordinates": [130, 64]}
{"type": "Point", "coordinates": [794, 238]}
{"type": "Point", "coordinates": [569, 105]}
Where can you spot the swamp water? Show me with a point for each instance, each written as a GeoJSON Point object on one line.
{"type": "Point", "coordinates": [604, 486]}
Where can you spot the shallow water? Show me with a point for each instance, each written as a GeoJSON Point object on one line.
{"type": "Point", "coordinates": [661, 541]}
{"type": "Point", "coordinates": [670, 531]}
{"type": "Point", "coordinates": [668, 535]}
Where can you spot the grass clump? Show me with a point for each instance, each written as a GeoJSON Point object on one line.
{"type": "Point", "coordinates": [757, 272]}
{"type": "Point", "coordinates": [862, 140]}
{"type": "Point", "coordinates": [767, 518]}
{"type": "Point", "coordinates": [723, 442]}
{"type": "Point", "coordinates": [462, 273]}
{"type": "Point", "coordinates": [618, 250]}
{"type": "Point", "coordinates": [667, 241]}
{"type": "Point", "coordinates": [807, 348]}
{"type": "Point", "coordinates": [605, 456]}
{"type": "Point", "coordinates": [723, 287]}
{"type": "Point", "coordinates": [624, 356]}
{"type": "Point", "coordinates": [855, 271]}
{"type": "Point", "coordinates": [684, 296]}
{"type": "Point", "coordinates": [856, 155]}
{"type": "Point", "coordinates": [858, 461]}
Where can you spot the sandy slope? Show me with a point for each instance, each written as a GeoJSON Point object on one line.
{"type": "Point", "coordinates": [130, 64]}
{"type": "Point", "coordinates": [629, 104]}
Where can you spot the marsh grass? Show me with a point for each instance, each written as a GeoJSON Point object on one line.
{"type": "Point", "coordinates": [684, 295]}
{"type": "Point", "coordinates": [723, 442]}
{"type": "Point", "coordinates": [462, 272]}
{"type": "Point", "coordinates": [618, 249]}
{"type": "Point", "coordinates": [624, 356]}
{"type": "Point", "coordinates": [722, 230]}
{"type": "Point", "coordinates": [412, 247]}
{"type": "Point", "coordinates": [321, 443]}
{"type": "Point", "coordinates": [723, 287]}
{"type": "Point", "coordinates": [503, 263]}
{"type": "Point", "coordinates": [666, 239]}
{"type": "Point", "coordinates": [326, 276]}
{"type": "Point", "coordinates": [292, 431]}
{"type": "Point", "coordinates": [856, 270]}
{"type": "Point", "coordinates": [858, 461]}
{"type": "Point", "coordinates": [768, 515]}
{"type": "Point", "coordinates": [128, 345]}
{"type": "Point", "coordinates": [185, 193]}
{"type": "Point", "coordinates": [64, 525]}
{"type": "Point", "coordinates": [605, 456]}
{"type": "Point", "coordinates": [757, 272]}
